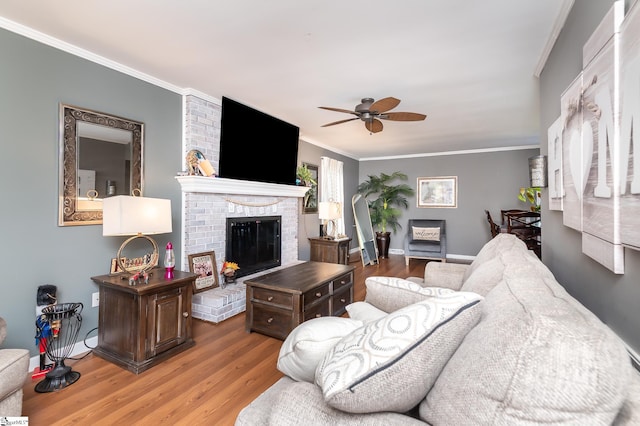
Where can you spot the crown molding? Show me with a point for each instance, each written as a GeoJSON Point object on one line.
{"type": "Point", "coordinates": [565, 8]}
{"type": "Point", "coordinates": [85, 54]}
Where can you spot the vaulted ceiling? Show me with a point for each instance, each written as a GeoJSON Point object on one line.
{"type": "Point", "coordinates": [470, 66]}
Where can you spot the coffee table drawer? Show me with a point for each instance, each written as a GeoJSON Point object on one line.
{"type": "Point", "coordinates": [313, 296]}
{"type": "Point", "coordinates": [317, 311]}
{"type": "Point", "coordinates": [342, 282]}
{"type": "Point", "coordinates": [271, 321]}
{"type": "Point", "coordinates": [282, 299]}
{"type": "Point", "coordinates": [340, 300]}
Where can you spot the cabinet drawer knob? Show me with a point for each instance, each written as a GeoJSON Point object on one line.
{"type": "Point", "coordinates": [318, 315]}
{"type": "Point", "coordinates": [318, 294]}
{"type": "Point", "coordinates": [185, 314]}
{"type": "Point", "coordinates": [343, 300]}
{"type": "Point", "coordinates": [270, 320]}
{"type": "Point", "coordinates": [269, 299]}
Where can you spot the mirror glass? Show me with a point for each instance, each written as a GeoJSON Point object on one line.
{"type": "Point", "coordinates": [366, 237]}
{"type": "Point", "coordinates": [100, 156]}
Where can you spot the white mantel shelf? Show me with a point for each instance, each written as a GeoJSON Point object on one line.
{"type": "Point", "coordinates": [216, 185]}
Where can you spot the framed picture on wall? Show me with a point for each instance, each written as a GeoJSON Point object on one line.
{"type": "Point", "coordinates": [204, 265]}
{"type": "Point", "coordinates": [438, 191]}
{"type": "Point", "coordinates": [310, 199]}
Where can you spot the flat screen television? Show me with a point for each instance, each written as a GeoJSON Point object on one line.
{"type": "Point", "coordinates": [256, 146]}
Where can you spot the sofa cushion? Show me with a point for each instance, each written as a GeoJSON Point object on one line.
{"type": "Point", "coordinates": [3, 330]}
{"type": "Point", "coordinates": [536, 357]}
{"type": "Point", "coordinates": [390, 293]}
{"type": "Point", "coordinates": [302, 403]}
{"type": "Point", "coordinates": [425, 234]}
{"type": "Point", "coordinates": [365, 312]}
{"type": "Point", "coordinates": [14, 367]}
{"type": "Point", "coordinates": [486, 276]}
{"type": "Point", "coordinates": [502, 243]}
{"type": "Point", "coordinates": [390, 364]}
{"type": "Point", "coordinates": [308, 343]}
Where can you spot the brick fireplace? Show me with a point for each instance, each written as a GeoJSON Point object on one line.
{"type": "Point", "coordinates": [207, 202]}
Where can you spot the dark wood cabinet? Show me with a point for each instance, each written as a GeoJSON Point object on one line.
{"type": "Point", "coordinates": [144, 324]}
{"type": "Point", "coordinates": [331, 251]}
{"type": "Point", "coordinates": [279, 301]}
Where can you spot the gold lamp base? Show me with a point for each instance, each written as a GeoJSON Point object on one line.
{"type": "Point", "coordinates": [140, 272]}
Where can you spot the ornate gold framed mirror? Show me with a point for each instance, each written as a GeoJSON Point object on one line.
{"type": "Point", "coordinates": [100, 156]}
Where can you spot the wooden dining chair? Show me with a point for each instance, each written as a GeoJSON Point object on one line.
{"type": "Point", "coordinates": [505, 214]}
{"type": "Point", "coordinates": [495, 228]}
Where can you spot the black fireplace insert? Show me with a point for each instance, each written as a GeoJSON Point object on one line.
{"type": "Point", "coordinates": [253, 243]}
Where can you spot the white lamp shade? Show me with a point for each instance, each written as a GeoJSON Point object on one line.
{"type": "Point", "coordinates": [126, 215]}
{"type": "Point", "coordinates": [329, 210]}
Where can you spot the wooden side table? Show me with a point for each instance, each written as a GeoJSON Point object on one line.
{"type": "Point", "coordinates": [331, 251]}
{"type": "Point", "coordinates": [141, 325]}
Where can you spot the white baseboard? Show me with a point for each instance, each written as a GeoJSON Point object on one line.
{"type": "Point", "coordinates": [401, 252]}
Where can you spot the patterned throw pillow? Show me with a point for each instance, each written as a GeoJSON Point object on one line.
{"type": "Point", "coordinates": [391, 294]}
{"type": "Point", "coordinates": [425, 234]}
{"type": "Point", "coordinates": [308, 343]}
{"type": "Point", "coordinates": [365, 312]}
{"type": "Point", "coordinates": [391, 363]}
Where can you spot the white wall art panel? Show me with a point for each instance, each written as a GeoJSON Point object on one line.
{"type": "Point", "coordinates": [630, 128]}
{"type": "Point", "coordinates": [554, 165]}
{"type": "Point", "coordinates": [609, 255]}
{"type": "Point", "coordinates": [600, 114]}
{"type": "Point", "coordinates": [574, 169]}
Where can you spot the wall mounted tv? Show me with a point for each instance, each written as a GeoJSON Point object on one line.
{"type": "Point", "coordinates": [256, 146]}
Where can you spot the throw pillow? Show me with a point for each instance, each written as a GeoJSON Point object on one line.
{"type": "Point", "coordinates": [308, 343]}
{"type": "Point", "coordinates": [425, 234]}
{"type": "Point", "coordinates": [365, 312]}
{"type": "Point", "coordinates": [391, 363]}
{"type": "Point", "coordinates": [391, 294]}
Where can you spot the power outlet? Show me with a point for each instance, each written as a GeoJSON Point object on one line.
{"type": "Point", "coordinates": [95, 299]}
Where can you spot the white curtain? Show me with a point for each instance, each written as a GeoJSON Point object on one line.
{"type": "Point", "coordinates": [332, 188]}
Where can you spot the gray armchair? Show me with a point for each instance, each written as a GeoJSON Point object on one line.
{"type": "Point", "coordinates": [425, 239]}
{"type": "Point", "coordinates": [14, 368]}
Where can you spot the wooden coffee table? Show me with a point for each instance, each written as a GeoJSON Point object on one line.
{"type": "Point", "coordinates": [279, 301]}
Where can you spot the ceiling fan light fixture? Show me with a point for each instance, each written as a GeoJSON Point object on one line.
{"type": "Point", "coordinates": [371, 112]}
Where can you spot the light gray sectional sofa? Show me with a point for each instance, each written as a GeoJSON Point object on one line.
{"type": "Point", "coordinates": [14, 366]}
{"type": "Point", "coordinates": [508, 346]}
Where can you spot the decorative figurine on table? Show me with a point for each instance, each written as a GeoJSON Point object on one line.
{"type": "Point", "coordinates": [169, 261]}
{"type": "Point", "coordinates": [228, 272]}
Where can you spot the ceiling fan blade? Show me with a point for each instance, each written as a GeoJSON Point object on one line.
{"type": "Point", "coordinates": [403, 116]}
{"type": "Point", "coordinates": [384, 104]}
{"type": "Point", "coordinates": [339, 122]}
{"type": "Point", "coordinates": [374, 126]}
{"type": "Point", "coordinates": [339, 110]}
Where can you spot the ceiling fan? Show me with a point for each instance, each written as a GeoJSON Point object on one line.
{"type": "Point", "coordinates": [371, 112]}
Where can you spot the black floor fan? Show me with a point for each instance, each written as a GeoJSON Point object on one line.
{"type": "Point", "coordinates": [60, 326]}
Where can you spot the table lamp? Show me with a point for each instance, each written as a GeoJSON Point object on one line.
{"type": "Point", "coordinates": [329, 211]}
{"type": "Point", "coordinates": [140, 217]}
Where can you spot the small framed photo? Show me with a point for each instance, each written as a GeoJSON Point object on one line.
{"type": "Point", "coordinates": [204, 265]}
{"type": "Point", "coordinates": [438, 191]}
{"type": "Point", "coordinates": [310, 199]}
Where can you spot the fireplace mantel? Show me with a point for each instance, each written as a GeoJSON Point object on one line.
{"type": "Point", "coordinates": [216, 185]}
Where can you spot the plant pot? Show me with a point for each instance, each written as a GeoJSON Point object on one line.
{"type": "Point", "coordinates": [383, 240]}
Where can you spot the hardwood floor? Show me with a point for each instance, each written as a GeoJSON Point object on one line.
{"type": "Point", "coordinates": [207, 384]}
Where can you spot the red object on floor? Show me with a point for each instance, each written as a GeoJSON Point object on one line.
{"type": "Point", "coordinates": [37, 372]}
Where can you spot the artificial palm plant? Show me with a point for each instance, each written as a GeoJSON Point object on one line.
{"type": "Point", "coordinates": [385, 204]}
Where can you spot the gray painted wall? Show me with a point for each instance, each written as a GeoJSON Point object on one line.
{"type": "Point", "coordinates": [308, 225]}
{"type": "Point", "coordinates": [614, 298]}
{"type": "Point", "coordinates": [34, 79]}
{"type": "Point", "coordinates": [490, 181]}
